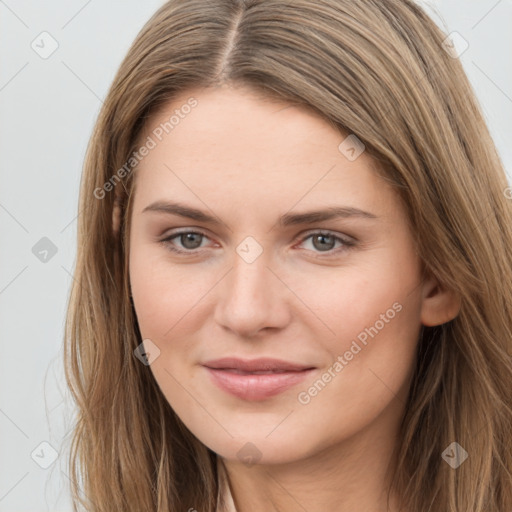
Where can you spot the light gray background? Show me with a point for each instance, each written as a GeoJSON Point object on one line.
{"type": "Point", "coordinates": [48, 107]}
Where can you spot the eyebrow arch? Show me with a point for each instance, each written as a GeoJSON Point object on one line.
{"type": "Point", "coordinates": [288, 219]}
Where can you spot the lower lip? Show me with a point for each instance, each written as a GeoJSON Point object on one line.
{"type": "Point", "coordinates": [256, 387]}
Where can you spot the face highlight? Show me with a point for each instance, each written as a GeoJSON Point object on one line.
{"type": "Point", "coordinates": [253, 236]}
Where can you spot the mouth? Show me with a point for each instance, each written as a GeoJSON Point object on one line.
{"type": "Point", "coordinates": [262, 364]}
{"type": "Point", "coordinates": [258, 379]}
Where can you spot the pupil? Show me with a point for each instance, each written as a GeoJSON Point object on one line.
{"type": "Point", "coordinates": [188, 240]}
{"type": "Point", "coordinates": [324, 246]}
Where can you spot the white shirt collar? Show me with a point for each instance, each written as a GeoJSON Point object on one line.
{"type": "Point", "coordinates": [224, 499]}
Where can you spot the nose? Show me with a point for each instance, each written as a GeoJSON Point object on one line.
{"type": "Point", "coordinates": [251, 298]}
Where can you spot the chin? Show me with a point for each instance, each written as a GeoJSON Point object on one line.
{"type": "Point", "coordinates": [258, 447]}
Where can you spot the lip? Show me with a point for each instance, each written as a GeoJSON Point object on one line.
{"type": "Point", "coordinates": [237, 377]}
{"type": "Point", "coordinates": [253, 365]}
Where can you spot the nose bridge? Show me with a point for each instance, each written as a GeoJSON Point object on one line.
{"type": "Point", "coordinates": [249, 278]}
{"type": "Point", "coordinates": [250, 298]}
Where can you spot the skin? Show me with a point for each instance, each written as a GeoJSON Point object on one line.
{"type": "Point", "coordinates": [247, 161]}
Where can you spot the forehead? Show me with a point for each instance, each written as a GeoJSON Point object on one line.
{"type": "Point", "coordinates": [235, 145]}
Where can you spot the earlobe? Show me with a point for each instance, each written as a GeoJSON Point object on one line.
{"type": "Point", "coordinates": [439, 304]}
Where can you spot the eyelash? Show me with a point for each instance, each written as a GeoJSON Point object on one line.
{"type": "Point", "coordinates": [347, 244]}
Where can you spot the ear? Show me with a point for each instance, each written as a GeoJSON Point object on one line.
{"type": "Point", "coordinates": [439, 304]}
{"type": "Point", "coordinates": [116, 215]}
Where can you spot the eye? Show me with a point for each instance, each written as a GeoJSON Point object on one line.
{"type": "Point", "coordinates": [321, 242]}
{"type": "Point", "coordinates": [190, 241]}
{"type": "Point", "coordinates": [326, 241]}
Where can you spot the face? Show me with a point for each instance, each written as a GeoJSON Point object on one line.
{"type": "Point", "coordinates": [239, 271]}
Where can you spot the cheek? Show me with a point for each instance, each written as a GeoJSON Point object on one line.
{"type": "Point", "coordinates": [368, 321]}
{"type": "Point", "coordinates": [164, 294]}
{"type": "Point", "coordinates": [376, 320]}
{"type": "Point", "coordinates": [344, 303]}
{"type": "Point", "coordinates": [370, 371]}
{"type": "Point", "coordinates": [168, 311]}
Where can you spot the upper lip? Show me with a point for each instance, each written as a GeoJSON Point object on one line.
{"type": "Point", "coordinates": [255, 365]}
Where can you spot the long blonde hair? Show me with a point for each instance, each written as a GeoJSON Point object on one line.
{"type": "Point", "coordinates": [375, 69]}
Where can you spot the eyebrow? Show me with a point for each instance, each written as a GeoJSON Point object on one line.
{"type": "Point", "coordinates": [288, 219]}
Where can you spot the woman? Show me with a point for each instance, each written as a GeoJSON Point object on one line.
{"type": "Point", "coordinates": [293, 283]}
